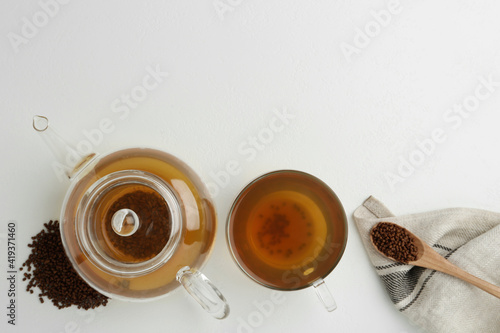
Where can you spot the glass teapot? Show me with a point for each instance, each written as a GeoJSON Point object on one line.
{"type": "Point", "coordinates": [136, 223]}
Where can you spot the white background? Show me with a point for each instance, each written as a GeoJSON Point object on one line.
{"type": "Point", "coordinates": [356, 120]}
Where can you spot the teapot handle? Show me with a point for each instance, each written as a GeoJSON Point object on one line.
{"type": "Point", "coordinates": [203, 291]}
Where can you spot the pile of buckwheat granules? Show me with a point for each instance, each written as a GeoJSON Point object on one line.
{"type": "Point", "coordinates": [49, 269]}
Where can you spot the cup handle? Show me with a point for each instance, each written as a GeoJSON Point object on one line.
{"type": "Point", "coordinates": [324, 295]}
{"type": "Point", "coordinates": [203, 291]}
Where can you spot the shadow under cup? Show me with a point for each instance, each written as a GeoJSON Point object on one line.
{"type": "Point", "coordinates": [287, 230]}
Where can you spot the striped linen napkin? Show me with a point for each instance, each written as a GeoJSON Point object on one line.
{"type": "Point", "coordinates": [469, 238]}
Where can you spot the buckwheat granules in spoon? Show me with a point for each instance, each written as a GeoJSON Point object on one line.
{"type": "Point", "coordinates": [394, 241]}
{"type": "Point", "coordinates": [49, 269]}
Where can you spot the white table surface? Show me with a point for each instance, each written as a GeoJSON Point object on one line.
{"type": "Point", "coordinates": [359, 109]}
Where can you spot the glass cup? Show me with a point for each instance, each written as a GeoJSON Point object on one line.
{"type": "Point", "coordinates": [287, 230]}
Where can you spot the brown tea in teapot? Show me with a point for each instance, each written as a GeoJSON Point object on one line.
{"type": "Point", "coordinates": [137, 271]}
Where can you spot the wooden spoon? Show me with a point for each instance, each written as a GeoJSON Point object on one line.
{"type": "Point", "coordinates": [427, 257]}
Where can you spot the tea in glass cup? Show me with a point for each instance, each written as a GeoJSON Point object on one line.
{"type": "Point", "coordinates": [287, 230]}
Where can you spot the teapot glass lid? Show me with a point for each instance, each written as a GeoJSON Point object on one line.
{"type": "Point", "coordinates": [129, 223]}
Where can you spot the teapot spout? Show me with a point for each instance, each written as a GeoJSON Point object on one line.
{"type": "Point", "coordinates": [68, 161]}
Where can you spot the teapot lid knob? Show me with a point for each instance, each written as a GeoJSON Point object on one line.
{"type": "Point", "coordinates": [125, 222]}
